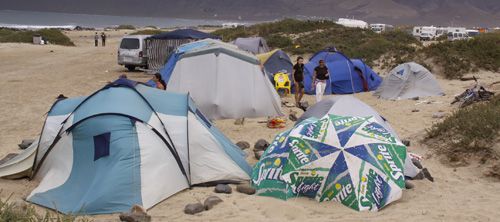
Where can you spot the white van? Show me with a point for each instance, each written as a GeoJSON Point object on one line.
{"type": "Point", "coordinates": [454, 36]}
{"type": "Point", "coordinates": [132, 52]}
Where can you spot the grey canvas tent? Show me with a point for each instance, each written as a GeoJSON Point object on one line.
{"type": "Point", "coordinates": [409, 80]}
{"type": "Point", "coordinates": [159, 47]}
{"type": "Point", "coordinates": [255, 45]}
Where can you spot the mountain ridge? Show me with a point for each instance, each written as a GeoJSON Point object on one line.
{"type": "Point", "coordinates": [436, 12]}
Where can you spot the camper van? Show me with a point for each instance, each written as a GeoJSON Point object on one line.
{"type": "Point", "coordinates": [352, 23]}
{"type": "Point", "coordinates": [453, 36]}
{"type": "Point", "coordinates": [425, 33]}
{"type": "Point", "coordinates": [132, 52]}
{"type": "Point", "coordinates": [379, 28]}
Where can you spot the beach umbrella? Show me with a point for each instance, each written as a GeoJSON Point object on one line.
{"type": "Point", "coordinates": [351, 160]}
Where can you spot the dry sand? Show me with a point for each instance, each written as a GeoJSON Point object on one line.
{"type": "Point", "coordinates": [31, 77]}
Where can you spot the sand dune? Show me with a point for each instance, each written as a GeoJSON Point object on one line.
{"type": "Point", "coordinates": [32, 76]}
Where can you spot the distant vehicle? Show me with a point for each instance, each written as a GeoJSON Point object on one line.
{"type": "Point", "coordinates": [352, 23]}
{"type": "Point", "coordinates": [132, 52]}
{"type": "Point", "coordinates": [472, 33]}
{"type": "Point", "coordinates": [426, 37]}
{"type": "Point", "coordinates": [379, 28]}
{"type": "Point", "coordinates": [425, 33]}
{"type": "Point", "coordinates": [232, 25]}
{"type": "Point", "coordinates": [454, 36]}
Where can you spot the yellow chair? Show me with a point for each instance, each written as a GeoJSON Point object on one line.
{"type": "Point", "coordinates": [281, 81]}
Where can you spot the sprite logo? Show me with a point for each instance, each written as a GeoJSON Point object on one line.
{"type": "Point", "coordinates": [377, 132]}
{"type": "Point", "coordinates": [371, 190]}
{"type": "Point", "coordinates": [301, 156]}
{"type": "Point", "coordinates": [305, 184]}
{"type": "Point", "coordinates": [346, 122]}
{"type": "Point", "coordinates": [271, 173]}
{"type": "Point", "coordinates": [396, 172]}
{"type": "Point", "coordinates": [316, 130]}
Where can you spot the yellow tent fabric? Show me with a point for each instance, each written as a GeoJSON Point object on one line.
{"type": "Point", "coordinates": [265, 56]}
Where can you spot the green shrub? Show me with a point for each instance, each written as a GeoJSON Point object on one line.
{"type": "Point", "coordinates": [130, 27]}
{"type": "Point", "coordinates": [54, 36]}
{"type": "Point", "coordinates": [468, 130]}
{"type": "Point", "coordinates": [10, 212]}
{"type": "Point", "coordinates": [279, 41]}
{"type": "Point", "coordinates": [460, 57]}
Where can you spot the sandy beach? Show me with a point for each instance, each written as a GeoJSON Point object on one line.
{"type": "Point", "coordinates": [32, 76]}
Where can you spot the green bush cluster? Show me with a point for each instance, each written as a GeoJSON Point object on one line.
{"type": "Point", "coordinates": [54, 36]}
{"type": "Point", "coordinates": [130, 27]}
{"type": "Point", "coordinates": [468, 130]}
{"type": "Point", "coordinates": [10, 212]}
{"type": "Point", "coordinates": [460, 57]}
{"type": "Point", "coordinates": [305, 37]}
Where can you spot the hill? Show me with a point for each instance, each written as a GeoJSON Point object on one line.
{"type": "Point", "coordinates": [438, 12]}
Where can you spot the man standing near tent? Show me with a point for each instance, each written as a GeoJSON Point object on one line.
{"type": "Point", "coordinates": [298, 77]}
{"type": "Point", "coordinates": [103, 38]}
{"type": "Point", "coordinates": [320, 78]}
{"type": "Point", "coordinates": [96, 39]}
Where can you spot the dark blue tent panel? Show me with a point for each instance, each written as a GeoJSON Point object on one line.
{"type": "Point", "coordinates": [347, 76]}
{"type": "Point", "coordinates": [184, 34]}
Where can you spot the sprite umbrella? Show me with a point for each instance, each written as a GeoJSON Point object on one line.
{"type": "Point", "coordinates": [351, 160]}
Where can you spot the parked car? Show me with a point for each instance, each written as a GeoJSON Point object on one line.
{"type": "Point", "coordinates": [132, 52]}
{"type": "Point", "coordinates": [426, 37]}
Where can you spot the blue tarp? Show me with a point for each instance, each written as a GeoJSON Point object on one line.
{"type": "Point", "coordinates": [184, 34]}
{"type": "Point", "coordinates": [344, 73]}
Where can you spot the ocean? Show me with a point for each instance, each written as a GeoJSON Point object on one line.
{"type": "Point", "coordinates": [26, 19]}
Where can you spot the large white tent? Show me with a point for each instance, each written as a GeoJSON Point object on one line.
{"type": "Point", "coordinates": [225, 81]}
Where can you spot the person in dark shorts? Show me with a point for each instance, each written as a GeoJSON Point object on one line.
{"type": "Point", "coordinates": [298, 77]}
{"type": "Point", "coordinates": [320, 79]}
{"type": "Point", "coordinates": [103, 38]}
{"type": "Point", "coordinates": [96, 39]}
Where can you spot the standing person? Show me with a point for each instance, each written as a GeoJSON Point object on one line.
{"type": "Point", "coordinates": [103, 38]}
{"type": "Point", "coordinates": [96, 39]}
{"type": "Point", "coordinates": [298, 77]}
{"type": "Point", "coordinates": [320, 78]}
{"type": "Point", "coordinates": [160, 84]}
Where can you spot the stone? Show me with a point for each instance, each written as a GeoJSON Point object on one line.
{"type": "Point", "coordinates": [415, 110]}
{"type": "Point", "coordinates": [25, 143]}
{"type": "Point", "coordinates": [223, 188]}
{"type": "Point", "coordinates": [194, 208]}
{"type": "Point", "coordinates": [211, 201]}
{"type": "Point", "coordinates": [406, 142]}
{"type": "Point", "coordinates": [261, 144]}
{"type": "Point", "coordinates": [246, 189]}
{"type": "Point", "coordinates": [137, 214]}
{"type": "Point", "coordinates": [243, 145]}
{"type": "Point", "coordinates": [438, 115]}
{"type": "Point", "coordinates": [240, 121]}
{"type": "Point", "coordinates": [409, 185]}
{"type": "Point", "coordinates": [258, 154]}
{"type": "Point", "coordinates": [292, 117]}
{"type": "Point", "coordinates": [427, 174]}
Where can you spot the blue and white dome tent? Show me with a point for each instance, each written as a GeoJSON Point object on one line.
{"type": "Point", "coordinates": [128, 144]}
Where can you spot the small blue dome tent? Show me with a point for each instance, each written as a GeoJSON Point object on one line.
{"type": "Point", "coordinates": [347, 76]}
{"type": "Point", "coordinates": [128, 144]}
{"type": "Point", "coordinates": [276, 61]}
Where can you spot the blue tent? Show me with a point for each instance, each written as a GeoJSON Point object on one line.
{"type": "Point", "coordinates": [276, 61]}
{"type": "Point", "coordinates": [128, 144]}
{"type": "Point", "coordinates": [346, 75]}
{"type": "Point", "coordinates": [184, 34]}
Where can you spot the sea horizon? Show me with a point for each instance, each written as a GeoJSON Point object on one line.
{"type": "Point", "coordinates": [24, 19]}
